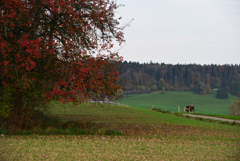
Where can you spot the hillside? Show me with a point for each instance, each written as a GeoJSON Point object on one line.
{"type": "Point", "coordinates": [133, 132]}
{"type": "Point", "coordinates": [208, 104]}
{"type": "Point", "coordinates": [148, 135]}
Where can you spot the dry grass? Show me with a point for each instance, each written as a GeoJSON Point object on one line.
{"type": "Point", "coordinates": [116, 148]}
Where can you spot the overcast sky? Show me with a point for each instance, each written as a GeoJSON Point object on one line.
{"type": "Point", "coordinates": [181, 31]}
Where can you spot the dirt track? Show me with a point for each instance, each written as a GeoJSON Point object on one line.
{"type": "Point", "coordinates": [214, 118]}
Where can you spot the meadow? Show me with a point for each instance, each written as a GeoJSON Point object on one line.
{"type": "Point", "coordinates": [170, 101]}
{"type": "Point", "coordinates": [143, 134]}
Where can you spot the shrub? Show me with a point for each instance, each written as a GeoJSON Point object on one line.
{"type": "Point", "coordinates": [234, 109]}
{"type": "Point", "coordinates": [222, 93]}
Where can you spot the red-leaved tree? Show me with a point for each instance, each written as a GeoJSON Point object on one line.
{"type": "Point", "coordinates": [53, 50]}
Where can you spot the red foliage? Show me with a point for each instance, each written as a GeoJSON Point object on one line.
{"type": "Point", "coordinates": [49, 45]}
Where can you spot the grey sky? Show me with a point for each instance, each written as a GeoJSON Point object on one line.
{"type": "Point", "coordinates": [181, 31]}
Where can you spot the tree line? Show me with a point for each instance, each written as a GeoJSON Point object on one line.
{"type": "Point", "coordinates": [147, 77]}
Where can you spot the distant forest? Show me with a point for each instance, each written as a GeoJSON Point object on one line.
{"type": "Point", "coordinates": [144, 78]}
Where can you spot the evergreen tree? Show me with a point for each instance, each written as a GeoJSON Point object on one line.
{"type": "Point", "coordinates": [234, 88]}
{"type": "Point", "coordinates": [222, 93]}
{"type": "Point", "coordinates": [197, 88]}
{"type": "Point", "coordinates": [188, 76]}
{"type": "Point", "coordinates": [170, 74]}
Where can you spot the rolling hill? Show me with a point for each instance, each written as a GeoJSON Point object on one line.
{"type": "Point", "coordinates": [170, 101]}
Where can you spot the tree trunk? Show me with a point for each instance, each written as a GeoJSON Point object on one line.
{"type": "Point", "coordinates": [16, 117]}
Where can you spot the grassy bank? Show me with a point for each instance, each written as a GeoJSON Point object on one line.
{"type": "Point", "coordinates": [207, 104]}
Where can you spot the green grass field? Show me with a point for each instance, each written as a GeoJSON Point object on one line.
{"type": "Point", "coordinates": [148, 135]}
{"type": "Point", "coordinates": [170, 101]}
